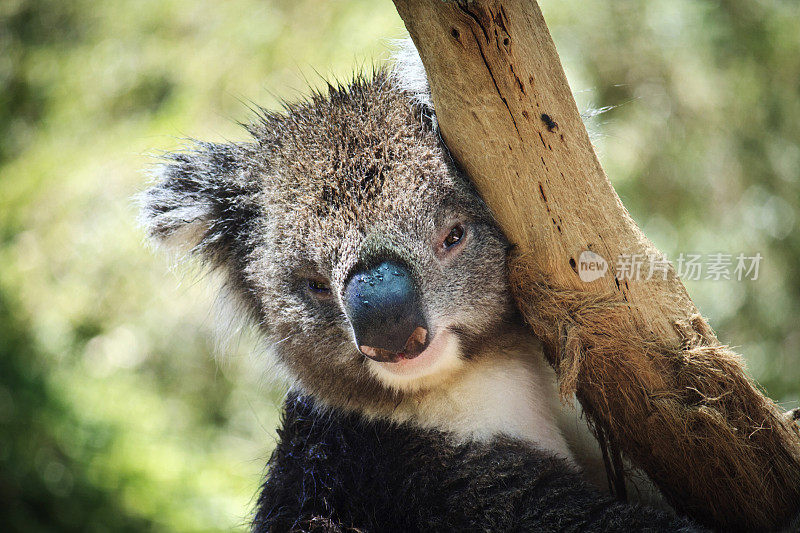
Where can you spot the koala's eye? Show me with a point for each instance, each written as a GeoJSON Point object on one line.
{"type": "Point", "coordinates": [450, 241]}
{"type": "Point", "coordinates": [454, 236]}
{"type": "Point", "coordinates": [318, 287]}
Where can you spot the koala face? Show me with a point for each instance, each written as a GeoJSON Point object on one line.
{"type": "Point", "coordinates": [346, 232]}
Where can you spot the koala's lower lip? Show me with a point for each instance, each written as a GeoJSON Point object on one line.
{"type": "Point", "coordinates": [384, 356]}
{"type": "Point", "coordinates": [416, 344]}
{"type": "Point", "coordinates": [441, 356]}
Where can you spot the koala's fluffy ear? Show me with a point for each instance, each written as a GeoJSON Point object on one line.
{"type": "Point", "coordinates": [205, 201]}
{"type": "Point", "coordinates": [408, 72]}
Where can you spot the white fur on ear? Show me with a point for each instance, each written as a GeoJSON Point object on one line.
{"type": "Point", "coordinates": [174, 220]}
{"type": "Point", "coordinates": [409, 75]}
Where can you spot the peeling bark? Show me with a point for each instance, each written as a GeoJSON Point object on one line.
{"type": "Point", "coordinates": [647, 368]}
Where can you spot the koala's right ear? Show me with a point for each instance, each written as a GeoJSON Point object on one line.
{"type": "Point", "coordinates": [205, 201]}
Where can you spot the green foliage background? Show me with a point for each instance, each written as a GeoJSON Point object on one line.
{"type": "Point", "coordinates": [114, 414]}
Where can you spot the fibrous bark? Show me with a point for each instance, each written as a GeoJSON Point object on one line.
{"type": "Point", "coordinates": [646, 367]}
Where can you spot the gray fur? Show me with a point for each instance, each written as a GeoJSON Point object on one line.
{"type": "Point", "coordinates": [345, 179]}
{"type": "Point", "coordinates": [341, 180]}
{"type": "Point", "coordinates": [333, 182]}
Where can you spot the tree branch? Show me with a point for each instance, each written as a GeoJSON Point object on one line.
{"type": "Point", "coordinates": [647, 368]}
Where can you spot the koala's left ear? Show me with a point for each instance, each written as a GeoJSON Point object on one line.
{"type": "Point", "coordinates": [205, 201]}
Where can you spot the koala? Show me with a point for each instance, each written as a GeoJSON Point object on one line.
{"type": "Point", "coordinates": [418, 400]}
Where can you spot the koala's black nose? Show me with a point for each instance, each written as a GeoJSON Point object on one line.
{"type": "Point", "coordinates": [384, 309]}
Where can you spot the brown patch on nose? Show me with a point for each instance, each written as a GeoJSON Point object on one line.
{"type": "Point", "coordinates": [416, 343]}
{"type": "Point", "coordinates": [414, 346]}
{"type": "Point", "coordinates": [379, 354]}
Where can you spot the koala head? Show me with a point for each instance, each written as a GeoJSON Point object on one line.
{"type": "Point", "coordinates": [346, 232]}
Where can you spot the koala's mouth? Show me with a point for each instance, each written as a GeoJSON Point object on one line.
{"type": "Point", "coordinates": [440, 358]}
{"type": "Point", "coordinates": [414, 346]}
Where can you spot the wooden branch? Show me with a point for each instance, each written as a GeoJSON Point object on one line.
{"type": "Point", "coordinates": [648, 370]}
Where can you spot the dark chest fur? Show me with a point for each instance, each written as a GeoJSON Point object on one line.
{"type": "Point", "coordinates": [333, 471]}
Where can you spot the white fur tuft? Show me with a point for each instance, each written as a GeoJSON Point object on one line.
{"type": "Point", "coordinates": [509, 393]}
{"type": "Point", "coordinates": [408, 72]}
{"type": "Point", "coordinates": [177, 229]}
